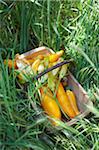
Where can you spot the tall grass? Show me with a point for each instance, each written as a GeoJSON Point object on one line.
{"type": "Point", "coordinates": [69, 25]}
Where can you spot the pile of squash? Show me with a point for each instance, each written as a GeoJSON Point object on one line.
{"type": "Point", "coordinates": [55, 100]}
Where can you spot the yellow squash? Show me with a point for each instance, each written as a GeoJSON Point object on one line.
{"type": "Point", "coordinates": [56, 56]}
{"type": "Point", "coordinates": [72, 100]}
{"type": "Point", "coordinates": [64, 101]}
{"type": "Point", "coordinates": [35, 65]}
{"type": "Point", "coordinates": [50, 106]}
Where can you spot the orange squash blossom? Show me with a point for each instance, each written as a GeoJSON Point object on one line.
{"type": "Point", "coordinates": [10, 63]}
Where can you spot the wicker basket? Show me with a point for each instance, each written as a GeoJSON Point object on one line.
{"type": "Point", "coordinates": [80, 93]}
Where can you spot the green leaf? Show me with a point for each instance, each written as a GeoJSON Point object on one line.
{"type": "Point", "coordinates": [51, 81]}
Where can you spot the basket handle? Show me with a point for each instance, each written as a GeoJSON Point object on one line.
{"type": "Point", "coordinates": [52, 68]}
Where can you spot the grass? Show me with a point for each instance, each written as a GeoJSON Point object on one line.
{"type": "Point", "coordinates": [69, 25]}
